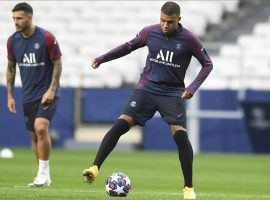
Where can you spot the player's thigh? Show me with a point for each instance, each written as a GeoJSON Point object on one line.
{"type": "Point", "coordinates": [45, 114]}
{"type": "Point", "coordinates": [173, 111]}
{"type": "Point", "coordinates": [30, 111]}
{"type": "Point", "coordinates": [140, 107]}
{"type": "Point", "coordinates": [47, 110]}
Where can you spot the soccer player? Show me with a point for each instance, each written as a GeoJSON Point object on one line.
{"type": "Point", "coordinates": [38, 56]}
{"type": "Point", "coordinates": [160, 88]}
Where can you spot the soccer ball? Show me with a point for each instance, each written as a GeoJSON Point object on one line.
{"type": "Point", "coordinates": [118, 185]}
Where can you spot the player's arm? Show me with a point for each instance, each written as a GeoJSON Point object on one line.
{"type": "Point", "coordinates": [55, 56]}
{"type": "Point", "coordinates": [50, 94]}
{"type": "Point", "coordinates": [122, 50]}
{"type": "Point", "coordinates": [10, 76]}
{"type": "Point", "coordinates": [201, 55]}
{"type": "Point", "coordinates": [56, 74]}
{"type": "Point", "coordinates": [115, 53]}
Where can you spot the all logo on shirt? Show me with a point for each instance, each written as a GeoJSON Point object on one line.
{"type": "Point", "coordinates": [165, 58]}
{"type": "Point", "coordinates": [168, 57]}
{"type": "Point", "coordinates": [29, 60]}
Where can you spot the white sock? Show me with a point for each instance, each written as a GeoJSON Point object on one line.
{"type": "Point", "coordinates": [43, 167]}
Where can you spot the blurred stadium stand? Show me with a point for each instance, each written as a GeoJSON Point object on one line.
{"type": "Point", "coordinates": [235, 32]}
{"type": "Point", "coordinates": [86, 29]}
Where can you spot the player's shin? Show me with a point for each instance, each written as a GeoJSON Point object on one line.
{"type": "Point", "coordinates": [107, 145]}
{"type": "Point", "coordinates": [110, 140]}
{"type": "Point", "coordinates": [185, 155]}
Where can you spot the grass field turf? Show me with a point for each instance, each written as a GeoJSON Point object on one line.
{"type": "Point", "coordinates": [154, 175]}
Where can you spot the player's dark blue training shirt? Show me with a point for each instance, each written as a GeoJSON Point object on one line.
{"type": "Point", "coordinates": [167, 60]}
{"type": "Point", "coordinates": [34, 57]}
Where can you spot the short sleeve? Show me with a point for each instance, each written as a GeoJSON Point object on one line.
{"type": "Point", "coordinates": [10, 53]}
{"type": "Point", "coordinates": [52, 46]}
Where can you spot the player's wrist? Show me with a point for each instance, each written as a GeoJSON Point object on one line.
{"type": "Point", "coordinates": [10, 96]}
{"type": "Point", "coordinates": [53, 89]}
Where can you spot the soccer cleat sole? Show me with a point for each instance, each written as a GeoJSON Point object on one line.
{"type": "Point", "coordinates": [39, 185]}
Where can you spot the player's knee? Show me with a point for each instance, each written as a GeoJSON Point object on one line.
{"type": "Point", "coordinates": [177, 128]}
{"type": "Point", "coordinates": [129, 120]}
{"type": "Point", "coordinates": [41, 130]}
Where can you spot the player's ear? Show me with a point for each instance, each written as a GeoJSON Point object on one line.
{"type": "Point", "coordinates": [30, 17]}
{"type": "Point", "coordinates": [179, 18]}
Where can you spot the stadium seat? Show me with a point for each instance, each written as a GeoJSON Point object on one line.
{"type": "Point", "coordinates": [229, 50]}
{"type": "Point", "coordinates": [230, 6]}
{"type": "Point", "coordinates": [198, 28]}
{"type": "Point", "coordinates": [256, 67]}
{"type": "Point", "coordinates": [213, 11]}
{"type": "Point", "coordinates": [262, 29]}
{"type": "Point", "coordinates": [251, 52]}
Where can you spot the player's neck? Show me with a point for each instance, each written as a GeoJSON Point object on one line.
{"type": "Point", "coordinates": [172, 32]}
{"type": "Point", "coordinates": [29, 31]}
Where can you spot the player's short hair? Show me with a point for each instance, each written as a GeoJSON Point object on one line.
{"type": "Point", "coordinates": [171, 8]}
{"type": "Point", "coordinates": [25, 7]}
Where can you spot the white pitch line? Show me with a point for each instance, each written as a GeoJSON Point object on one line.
{"type": "Point", "coordinates": [235, 195]}
{"type": "Point", "coordinates": [149, 193]}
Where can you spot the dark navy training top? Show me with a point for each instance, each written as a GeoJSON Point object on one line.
{"type": "Point", "coordinates": [34, 57]}
{"type": "Point", "coordinates": [167, 60]}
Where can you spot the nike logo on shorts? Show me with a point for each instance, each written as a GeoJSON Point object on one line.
{"type": "Point", "coordinates": [45, 108]}
{"type": "Point", "coordinates": [180, 115]}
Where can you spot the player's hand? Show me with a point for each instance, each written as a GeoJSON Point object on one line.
{"type": "Point", "coordinates": [95, 64]}
{"type": "Point", "coordinates": [11, 104]}
{"type": "Point", "coordinates": [48, 96]}
{"type": "Point", "coordinates": [186, 95]}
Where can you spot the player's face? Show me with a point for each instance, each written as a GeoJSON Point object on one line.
{"type": "Point", "coordinates": [21, 20]}
{"type": "Point", "coordinates": [169, 23]}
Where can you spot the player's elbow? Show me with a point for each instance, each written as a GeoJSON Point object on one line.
{"type": "Point", "coordinates": [209, 66]}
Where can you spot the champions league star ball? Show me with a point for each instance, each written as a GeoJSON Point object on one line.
{"type": "Point", "coordinates": [118, 185]}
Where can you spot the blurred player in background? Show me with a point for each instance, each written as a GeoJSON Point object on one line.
{"type": "Point", "coordinates": [160, 88]}
{"type": "Point", "coordinates": [38, 56]}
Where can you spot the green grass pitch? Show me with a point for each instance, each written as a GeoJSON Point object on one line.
{"type": "Point", "coordinates": [154, 175]}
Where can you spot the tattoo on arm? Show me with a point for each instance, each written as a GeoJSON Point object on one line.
{"type": "Point", "coordinates": [10, 76]}
{"type": "Point", "coordinates": [56, 74]}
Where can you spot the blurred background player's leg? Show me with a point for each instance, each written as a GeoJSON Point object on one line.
{"type": "Point", "coordinates": [43, 149]}
{"type": "Point", "coordinates": [34, 144]}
